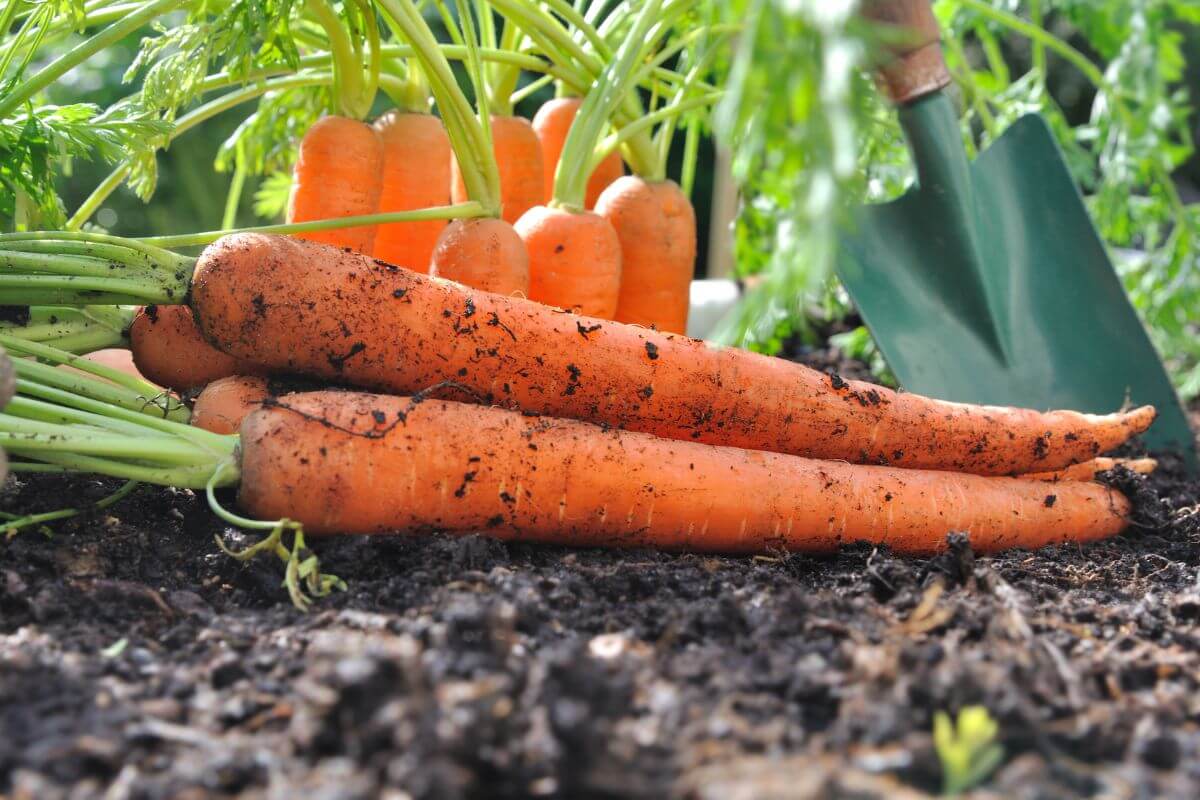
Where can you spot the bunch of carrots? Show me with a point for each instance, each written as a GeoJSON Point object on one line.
{"type": "Point", "coordinates": [494, 315]}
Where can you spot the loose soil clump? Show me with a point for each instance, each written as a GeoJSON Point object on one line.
{"type": "Point", "coordinates": [138, 660]}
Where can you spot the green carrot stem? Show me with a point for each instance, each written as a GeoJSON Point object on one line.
{"type": "Point", "coordinates": [16, 523]}
{"type": "Point", "coordinates": [347, 68]}
{"type": "Point", "coordinates": [234, 197]}
{"type": "Point", "coordinates": [143, 389]}
{"type": "Point", "coordinates": [183, 477]}
{"type": "Point", "coordinates": [615, 140]}
{"type": "Point", "coordinates": [37, 410]}
{"type": "Point", "coordinates": [457, 211]}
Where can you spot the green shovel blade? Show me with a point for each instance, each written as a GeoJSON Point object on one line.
{"type": "Point", "coordinates": [989, 284]}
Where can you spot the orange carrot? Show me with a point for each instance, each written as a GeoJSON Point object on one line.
{"type": "Point", "coordinates": [169, 350]}
{"type": "Point", "coordinates": [1087, 470]}
{"type": "Point", "coordinates": [117, 358]}
{"type": "Point", "coordinates": [484, 253]}
{"type": "Point", "coordinates": [416, 174]}
{"type": "Point", "coordinates": [551, 123]}
{"type": "Point", "coordinates": [574, 260]}
{"type": "Point", "coordinates": [656, 225]}
{"type": "Point", "coordinates": [361, 463]}
{"type": "Point", "coordinates": [338, 174]}
{"type": "Point", "coordinates": [301, 307]}
{"type": "Point", "coordinates": [519, 158]}
{"type": "Point", "coordinates": [224, 403]}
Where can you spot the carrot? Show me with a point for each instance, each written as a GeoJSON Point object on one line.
{"type": "Point", "coordinates": [337, 174]}
{"type": "Point", "coordinates": [116, 357]}
{"type": "Point", "coordinates": [301, 307]}
{"type": "Point", "coordinates": [551, 123]}
{"type": "Point", "coordinates": [169, 350]}
{"type": "Point", "coordinates": [574, 260]}
{"type": "Point", "coordinates": [484, 253]}
{"type": "Point", "coordinates": [416, 174]}
{"type": "Point", "coordinates": [361, 463]}
{"type": "Point", "coordinates": [656, 225]}
{"type": "Point", "coordinates": [225, 402]}
{"type": "Point", "coordinates": [1087, 470]}
{"type": "Point", "coordinates": [519, 158]}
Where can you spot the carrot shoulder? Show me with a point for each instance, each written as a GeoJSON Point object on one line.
{"type": "Point", "coordinates": [361, 463]}
{"type": "Point", "coordinates": [301, 307]}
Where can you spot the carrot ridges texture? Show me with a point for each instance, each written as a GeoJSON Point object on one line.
{"type": "Point", "coordinates": [361, 463]}
{"type": "Point", "coordinates": [303, 308]}
{"type": "Point", "coordinates": [656, 225]}
{"type": "Point", "coordinates": [338, 174]}
{"type": "Point", "coordinates": [416, 174]}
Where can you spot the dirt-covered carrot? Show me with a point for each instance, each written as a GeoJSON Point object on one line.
{"type": "Point", "coordinates": [416, 174]}
{"type": "Point", "coordinates": [341, 462]}
{"type": "Point", "coordinates": [551, 123]}
{"type": "Point", "coordinates": [1088, 470]}
{"type": "Point", "coordinates": [224, 403]}
{"type": "Point", "coordinates": [301, 307]}
{"type": "Point", "coordinates": [169, 350]}
{"type": "Point", "coordinates": [346, 463]}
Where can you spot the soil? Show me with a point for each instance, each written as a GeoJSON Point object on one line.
{"type": "Point", "coordinates": [138, 661]}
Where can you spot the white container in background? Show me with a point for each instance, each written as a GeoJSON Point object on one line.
{"type": "Point", "coordinates": [711, 300]}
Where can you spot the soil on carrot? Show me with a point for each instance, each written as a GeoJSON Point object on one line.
{"type": "Point", "coordinates": [138, 660]}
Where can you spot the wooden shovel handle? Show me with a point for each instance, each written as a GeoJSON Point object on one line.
{"type": "Point", "coordinates": [917, 67]}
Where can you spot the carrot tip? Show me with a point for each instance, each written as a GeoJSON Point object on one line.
{"type": "Point", "coordinates": [1141, 418]}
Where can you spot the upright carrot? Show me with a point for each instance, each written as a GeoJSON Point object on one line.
{"type": "Point", "coordinates": [484, 253]}
{"type": "Point", "coordinates": [654, 218]}
{"type": "Point", "coordinates": [337, 174]}
{"type": "Point", "coordinates": [551, 123]}
{"type": "Point", "coordinates": [169, 350]}
{"type": "Point", "coordinates": [515, 146]}
{"type": "Point", "coordinates": [301, 307]}
{"type": "Point", "coordinates": [416, 174]}
{"type": "Point", "coordinates": [340, 160]}
{"type": "Point", "coordinates": [656, 226]}
{"type": "Point", "coordinates": [575, 258]}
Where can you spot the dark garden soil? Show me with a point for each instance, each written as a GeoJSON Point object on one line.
{"type": "Point", "coordinates": [137, 661]}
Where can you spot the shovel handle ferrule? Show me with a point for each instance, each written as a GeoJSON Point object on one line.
{"type": "Point", "coordinates": [917, 67]}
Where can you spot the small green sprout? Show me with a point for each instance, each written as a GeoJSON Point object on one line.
{"type": "Point", "coordinates": [968, 751]}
